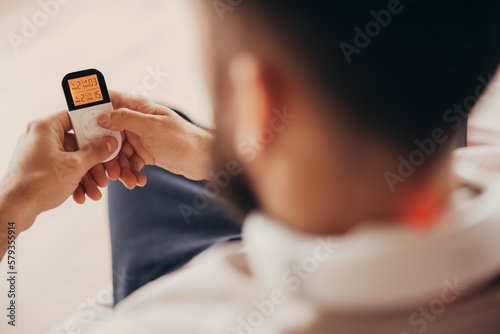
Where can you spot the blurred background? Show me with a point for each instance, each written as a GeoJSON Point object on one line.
{"type": "Point", "coordinates": [146, 47]}
{"type": "Point", "coordinates": [149, 47]}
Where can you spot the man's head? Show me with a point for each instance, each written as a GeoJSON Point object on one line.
{"type": "Point", "coordinates": [319, 100]}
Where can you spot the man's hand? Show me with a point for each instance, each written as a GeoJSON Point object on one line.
{"type": "Point", "coordinates": [156, 135]}
{"type": "Point", "coordinates": [117, 169]}
{"type": "Point", "coordinates": [43, 174]}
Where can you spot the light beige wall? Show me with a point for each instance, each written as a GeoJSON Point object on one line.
{"type": "Point", "coordinates": [65, 257]}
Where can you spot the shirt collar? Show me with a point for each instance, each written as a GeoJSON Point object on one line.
{"type": "Point", "coordinates": [380, 264]}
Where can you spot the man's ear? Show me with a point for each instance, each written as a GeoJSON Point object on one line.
{"type": "Point", "coordinates": [254, 95]}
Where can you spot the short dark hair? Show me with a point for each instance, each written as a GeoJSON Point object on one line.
{"type": "Point", "coordinates": [400, 69]}
{"type": "Point", "coordinates": [398, 66]}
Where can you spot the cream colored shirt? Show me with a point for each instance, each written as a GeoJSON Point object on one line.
{"type": "Point", "coordinates": [378, 277]}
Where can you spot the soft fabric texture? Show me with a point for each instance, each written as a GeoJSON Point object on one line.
{"type": "Point", "coordinates": [239, 287]}
{"type": "Point", "coordinates": [150, 234]}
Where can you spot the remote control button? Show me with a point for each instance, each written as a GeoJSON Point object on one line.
{"type": "Point", "coordinates": [94, 126]}
{"type": "Point", "coordinates": [90, 128]}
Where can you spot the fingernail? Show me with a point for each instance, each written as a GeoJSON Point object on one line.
{"type": "Point", "coordinates": [111, 144]}
{"type": "Point", "coordinates": [103, 119]}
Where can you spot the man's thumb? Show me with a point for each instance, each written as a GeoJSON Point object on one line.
{"type": "Point", "coordinates": [126, 119]}
{"type": "Point", "coordinates": [97, 151]}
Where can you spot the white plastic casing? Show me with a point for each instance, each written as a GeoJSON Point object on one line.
{"type": "Point", "coordinates": [87, 129]}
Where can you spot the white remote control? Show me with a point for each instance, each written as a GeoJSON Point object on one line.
{"type": "Point", "coordinates": [87, 97]}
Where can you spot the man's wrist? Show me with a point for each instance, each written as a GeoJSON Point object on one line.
{"type": "Point", "coordinates": [204, 146]}
{"type": "Point", "coordinates": [12, 223]}
{"type": "Point", "coordinates": [15, 208]}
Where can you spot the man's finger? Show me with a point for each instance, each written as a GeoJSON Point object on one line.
{"type": "Point", "coordinates": [70, 142]}
{"type": "Point", "coordinates": [122, 100]}
{"type": "Point", "coordinates": [79, 195]}
{"type": "Point", "coordinates": [91, 188]}
{"type": "Point", "coordinates": [113, 169]}
{"type": "Point", "coordinates": [63, 118]}
{"type": "Point", "coordinates": [142, 179]}
{"type": "Point", "coordinates": [126, 119]}
{"type": "Point", "coordinates": [97, 151]}
{"type": "Point", "coordinates": [127, 177]}
{"type": "Point", "coordinates": [99, 174]}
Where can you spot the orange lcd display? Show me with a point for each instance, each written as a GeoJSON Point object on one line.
{"type": "Point", "coordinates": [85, 90]}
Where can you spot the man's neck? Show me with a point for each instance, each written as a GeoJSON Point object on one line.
{"type": "Point", "coordinates": [360, 193]}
